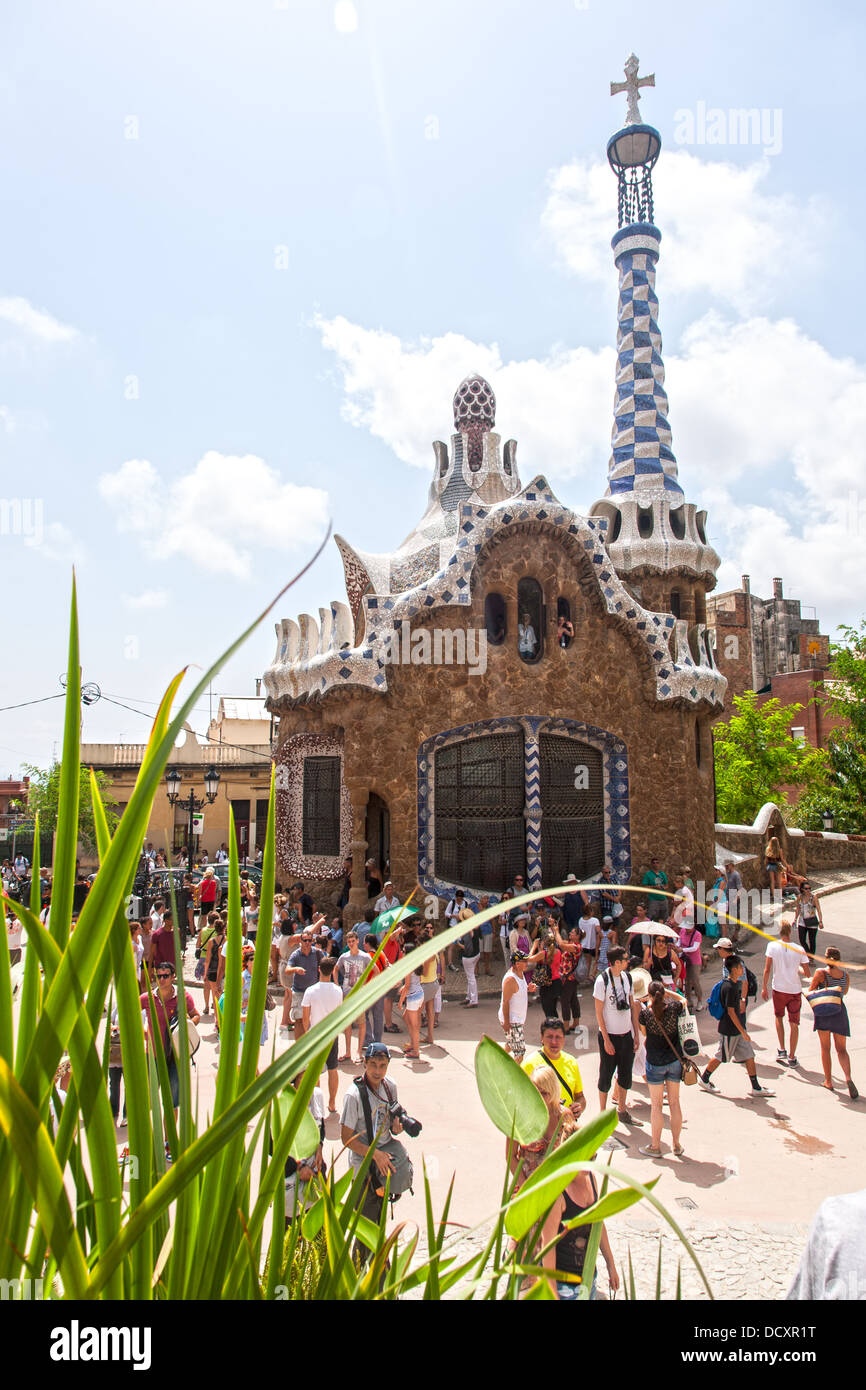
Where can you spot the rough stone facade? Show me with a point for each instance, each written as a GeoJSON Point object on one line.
{"type": "Point", "coordinates": [603, 678]}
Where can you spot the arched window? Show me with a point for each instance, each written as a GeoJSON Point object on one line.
{"type": "Point", "coordinates": [495, 619]}
{"type": "Point", "coordinates": [564, 625]}
{"type": "Point", "coordinates": [675, 603]}
{"type": "Point", "coordinates": [644, 522]}
{"type": "Point", "coordinates": [530, 620]}
{"type": "Point", "coordinates": [678, 522]}
{"type": "Point", "coordinates": [615, 527]}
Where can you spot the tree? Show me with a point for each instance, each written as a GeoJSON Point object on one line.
{"type": "Point", "coordinates": [756, 757]}
{"type": "Point", "coordinates": [841, 787]}
{"type": "Point", "coordinates": [44, 799]}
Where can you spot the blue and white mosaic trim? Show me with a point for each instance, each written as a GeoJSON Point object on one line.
{"type": "Point", "coordinates": [316, 671]}
{"type": "Point", "coordinates": [642, 460]}
{"type": "Point", "coordinates": [617, 830]}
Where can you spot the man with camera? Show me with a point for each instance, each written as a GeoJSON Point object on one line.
{"type": "Point", "coordinates": [616, 1011]}
{"type": "Point", "coordinates": [371, 1117]}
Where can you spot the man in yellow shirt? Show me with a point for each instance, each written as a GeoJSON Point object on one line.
{"type": "Point", "coordinates": [550, 1054]}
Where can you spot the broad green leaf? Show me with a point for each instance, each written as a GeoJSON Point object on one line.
{"type": "Point", "coordinates": [512, 1102]}
{"type": "Point", "coordinates": [555, 1172]}
{"type": "Point", "coordinates": [306, 1139]}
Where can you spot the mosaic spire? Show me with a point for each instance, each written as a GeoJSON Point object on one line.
{"type": "Point", "coordinates": [642, 459]}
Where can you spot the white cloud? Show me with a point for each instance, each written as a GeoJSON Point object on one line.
{"type": "Point", "coordinates": [37, 322]}
{"type": "Point", "coordinates": [758, 409]}
{"type": "Point", "coordinates": [218, 515]}
{"type": "Point", "coordinates": [150, 598]}
{"type": "Point", "coordinates": [54, 541]}
{"type": "Point", "coordinates": [723, 235]}
{"type": "Point", "coordinates": [7, 419]}
{"type": "Point", "coordinates": [402, 394]}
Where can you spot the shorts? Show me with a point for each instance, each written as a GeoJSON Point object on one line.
{"type": "Point", "coordinates": [516, 1041]}
{"type": "Point", "coordinates": [792, 1002]}
{"type": "Point", "coordinates": [668, 1071]}
{"type": "Point", "coordinates": [413, 1002]}
{"type": "Point", "coordinates": [621, 1062]}
{"type": "Point", "coordinates": [430, 988]}
{"type": "Point", "coordinates": [296, 1013]}
{"type": "Point", "coordinates": [486, 945]}
{"type": "Point", "coordinates": [735, 1049]}
{"type": "Point", "coordinates": [331, 1059]}
{"type": "Point", "coordinates": [569, 1292]}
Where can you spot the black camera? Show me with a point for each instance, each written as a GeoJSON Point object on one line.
{"type": "Point", "coordinates": [412, 1127]}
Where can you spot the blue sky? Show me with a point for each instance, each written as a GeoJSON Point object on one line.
{"type": "Point", "coordinates": [249, 250]}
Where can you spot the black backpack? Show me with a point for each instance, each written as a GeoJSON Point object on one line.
{"type": "Point", "coordinates": [752, 990]}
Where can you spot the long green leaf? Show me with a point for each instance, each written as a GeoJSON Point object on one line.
{"type": "Point", "coordinates": [514, 1105]}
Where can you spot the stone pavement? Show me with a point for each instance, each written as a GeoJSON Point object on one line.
{"type": "Point", "coordinates": [754, 1172]}
{"type": "Point", "coordinates": [740, 1261]}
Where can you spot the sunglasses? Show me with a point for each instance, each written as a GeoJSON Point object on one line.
{"type": "Point", "coordinates": [163, 974]}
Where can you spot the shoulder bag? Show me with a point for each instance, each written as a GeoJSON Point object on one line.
{"type": "Point", "coordinates": [690, 1071]}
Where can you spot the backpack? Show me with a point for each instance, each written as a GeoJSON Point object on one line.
{"type": "Point", "coordinates": [714, 1003]}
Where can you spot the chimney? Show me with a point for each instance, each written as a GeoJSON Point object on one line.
{"type": "Point", "coordinates": [258, 686]}
{"type": "Point", "coordinates": [747, 587]}
{"type": "Point", "coordinates": [777, 588]}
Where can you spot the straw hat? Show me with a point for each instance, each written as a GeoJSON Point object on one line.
{"type": "Point", "coordinates": [464, 914]}
{"type": "Point", "coordinates": [640, 982]}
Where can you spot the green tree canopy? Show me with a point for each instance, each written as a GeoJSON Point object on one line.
{"type": "Point", "coordinates": [841, 787]}
{"type": "Point", "coordinates": [756, 757]}
{"type": "Point", "coordinates": [45, 795]}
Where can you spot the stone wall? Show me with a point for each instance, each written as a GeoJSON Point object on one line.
{"type": "Point", "coordinates": [808, 851]}
{"type": "Point", "coordinates": [604, 678]}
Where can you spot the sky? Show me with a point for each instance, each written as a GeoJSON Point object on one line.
{"type": "Point", "coordinates": [248, 250]}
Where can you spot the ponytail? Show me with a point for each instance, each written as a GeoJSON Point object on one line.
{"type": "Point", "coordinates": [657, 995]}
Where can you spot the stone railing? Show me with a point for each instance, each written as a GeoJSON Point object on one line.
{"type": "Point", "coordinates": [808, 851]}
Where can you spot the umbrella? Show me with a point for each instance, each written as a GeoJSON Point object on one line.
{"type": "Point", "coordinates": [649, 928]}
{"type": "Point", "coordinates": [385, 920]}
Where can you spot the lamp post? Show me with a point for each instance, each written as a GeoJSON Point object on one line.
{"type": "Point", "coordinates": [192, 803]}
{"type": "Point", "coordinates": [827, 818]}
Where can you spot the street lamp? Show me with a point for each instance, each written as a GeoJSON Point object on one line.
{"type": "Point", "coordinates": [827, 818]}
{"type": "Point", "coordinates": [192, 803]}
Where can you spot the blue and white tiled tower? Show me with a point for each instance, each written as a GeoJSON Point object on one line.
{"type": "Point", "coordinates": [651, 527]}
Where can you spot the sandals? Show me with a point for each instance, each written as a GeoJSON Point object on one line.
{"type": "Point", "coordinates": [391, 1028]}
{"type": "Point", "coordinates": [415, 1055]}
{"type": "Point", "coordinates": [679, 1150]}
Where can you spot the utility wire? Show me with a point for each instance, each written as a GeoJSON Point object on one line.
{"type": "Point", "coordinates": [24, 703]}
{"type": "Point", "coordinates": [220, 743]}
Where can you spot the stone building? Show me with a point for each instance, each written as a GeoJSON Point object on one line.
{"type": "Point", "coordinates": [517, 688]}
{"type": "Point", "coordinates": [755, 639]}
{"type": "Point", "coordinates": [238, 744]}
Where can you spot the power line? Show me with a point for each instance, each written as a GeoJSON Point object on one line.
{"type": "Point", "coordinates": [220, 743]}
{"type": "Point", "coordinates": [24, 703]}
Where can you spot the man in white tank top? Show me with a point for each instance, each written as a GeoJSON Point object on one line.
{"type": "Point", "coordinates": [515, 1002]}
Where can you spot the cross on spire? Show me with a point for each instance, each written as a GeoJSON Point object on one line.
{"type": "Point", "coordinates": [631, 87]}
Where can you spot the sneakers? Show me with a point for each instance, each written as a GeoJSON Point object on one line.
{"type": "Point", "coordinates": [781, 1055]}
{"type": "Point", "coordinates": [762, 1093]}
{"type": "Point", "coordinates": [455, 969]}
{"type": "Point", "coordinates": [852, 1091]}
{"type": "Point", "coordinates": [792, 1061]}
{"type": "Point", "coordinates": [707, 1086]}
{"type": "Point", "coordinates": [651, 1152]}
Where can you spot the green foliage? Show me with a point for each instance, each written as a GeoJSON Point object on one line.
{"type": "Point", "coordinates": [512, 1102]}
{"type": "Point", "coordinates": [756, 756]}
{"type": "Point", "coordinates": [841, 787]}
{"type": "Point", "coordinates": [44, 800]}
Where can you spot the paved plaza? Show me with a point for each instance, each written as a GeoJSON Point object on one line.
{"type": "Point", "coordinates": [754, 1172]}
